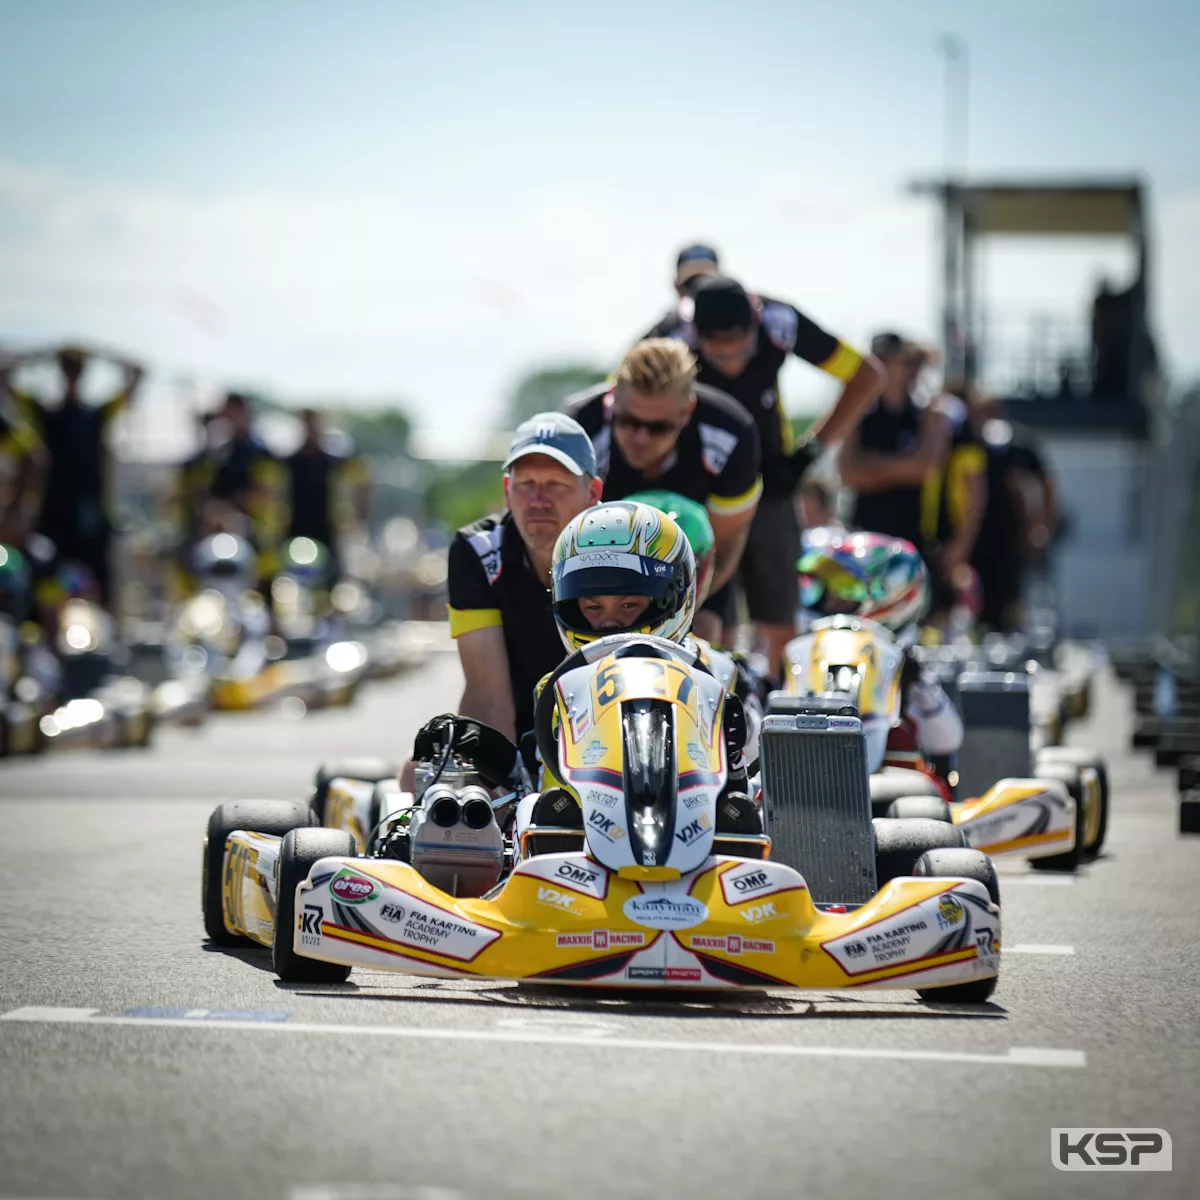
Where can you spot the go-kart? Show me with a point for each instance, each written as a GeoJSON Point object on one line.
{"type": "Point", "coordinates": [243, 649]}
{"type": "Point", "coordinates": [666, 878]}
{"type": "Point", "coordinates": [1050, 812]}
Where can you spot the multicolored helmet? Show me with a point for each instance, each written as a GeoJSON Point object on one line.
{"type": "Point", "coordinates": [624, 549]}
{"type": "Point", "coordinates": [869, 574]}
{"type": "Point", "coordinates": [692, 518]}
{"type": "Point", "coordinates": [16, 583]}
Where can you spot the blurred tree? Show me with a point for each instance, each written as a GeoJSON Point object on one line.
{"type": "Point", "coordinates": [462, 493]}
{"type": "Point", "coordinates": [546, 389]}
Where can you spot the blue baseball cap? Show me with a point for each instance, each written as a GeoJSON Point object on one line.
{"type": "Point", "coordinates": [557, 436]}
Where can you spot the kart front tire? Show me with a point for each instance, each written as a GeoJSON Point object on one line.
{"type": "Point", "coordinates": [955, 864]}
{"type": "Point", "coordinates": [300, 849]}
{"type": "Point", "coordinates": [274, 817]}
{"type": "Point", "coordinates": [1068, 775]}
{"type": "Point", "coordinates": [931, 808]}
{"type": "Point", "coordinates": [1080, 757]}
{"type": "Point", "coordinates": [899, 844]}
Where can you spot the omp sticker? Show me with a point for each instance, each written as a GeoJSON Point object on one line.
{"type": "Point", "coordinates": [750, 881]}
{"type": "Point", "coordinates": [574, 872]}
{"type": "Point", "coordinates": [665, 911]}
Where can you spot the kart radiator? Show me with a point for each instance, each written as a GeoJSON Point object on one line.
{"type": "Point", "coordinates": [818, 804]}
{"type": "Point", "coordinates": [995, 713]}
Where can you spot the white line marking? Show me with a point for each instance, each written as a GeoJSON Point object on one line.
{"type": "Point", "coordinates": [1035, 948]}
{"type": "Point", "coordinates": [1014, 1057]}
{"type": "Point", "coordinates": [195, 1013]}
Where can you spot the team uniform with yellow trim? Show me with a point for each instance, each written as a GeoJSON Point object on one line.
{"type": "Point", "coordinates": [491, 583]}
{"type": "Point", "coordinates": [771, 594]}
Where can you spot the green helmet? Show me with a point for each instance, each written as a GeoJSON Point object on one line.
{"type": "Point", "coordinates": [692, 518]}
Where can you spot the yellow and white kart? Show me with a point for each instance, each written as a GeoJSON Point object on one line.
{"type": "Point", "coordinates": [1051, 818]}
{"type": "Point", "coordinates": [651, 897]}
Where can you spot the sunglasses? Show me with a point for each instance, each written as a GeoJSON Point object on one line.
{"type": "Point", "coordinates": [653, 428]}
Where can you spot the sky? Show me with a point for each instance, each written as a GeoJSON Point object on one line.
{"type": "Point", "coordinates": [384, 202]}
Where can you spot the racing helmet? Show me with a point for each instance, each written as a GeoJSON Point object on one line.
{"type": "Point", "coordinates": [16, 583]}
{"type": "Point", "coordinates": [869, 574]}
{"type": "Point", "coordinates": [692, 518]}
{"type": "Point", "coordinates": [623, 549]}
{"type": "Point", "coordinates": [225, 557]}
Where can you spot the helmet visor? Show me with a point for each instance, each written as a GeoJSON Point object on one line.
{"type": "Point", "coordinates": [616, 575]}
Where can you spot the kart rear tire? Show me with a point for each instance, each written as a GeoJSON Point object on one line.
{"type": "Point", "coordinates": [894, 782]}
{"type": "Point", "coordinates": [1069, 860]}
{"type": "Point", "coordinates": [969, 864]}
{"type": "Point", "coordinates": [931, 808]}
{"type": "Point", "coordinates": [300, 849]}
{"type": "Point", "coordinates": [1080, 757]}
{"type": "Point", "coordinates": [275, 817]}
{"type": "Point", "coordinates": [369, 770]}
{"type": "Point", "coordinates": [899, 844]}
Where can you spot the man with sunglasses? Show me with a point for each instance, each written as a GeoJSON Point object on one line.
{"type": "Point", "coordinates": [742, 343]}
{"type": "Point", "coordinates": [655, 427]}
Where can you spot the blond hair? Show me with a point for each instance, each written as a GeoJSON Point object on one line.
{"type": "Point", "coordinates": [658, 367]}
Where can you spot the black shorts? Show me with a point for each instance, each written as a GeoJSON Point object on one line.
{"type": "Point", "coordinates": [768, 569]}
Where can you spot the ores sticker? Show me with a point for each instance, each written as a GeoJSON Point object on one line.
{"type": "Point", "coordinates": [606, 827]}
{"type": "Point", "coordinates": [425, 927]}
{"type": "Point", "coordinates": [734, 944]}
{"type": "Point", "coordinates": [672, 911]}
{"type": "Point", "coordinates": [352, 888]}
{"type": "Point", "coordinates": [601, 939]}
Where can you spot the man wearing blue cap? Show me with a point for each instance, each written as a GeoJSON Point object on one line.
{"type": "Point", "coordinates": [499, 572]}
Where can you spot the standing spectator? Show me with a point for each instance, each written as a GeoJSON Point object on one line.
{"type": "Point", "coordinates": [322, 485]}
{"type": "Point", "coordinates": [656, 428]}
{"type": "Point", "coordinates": [75, 512]}
{"type": "Point", "coordinates": [742, 342]}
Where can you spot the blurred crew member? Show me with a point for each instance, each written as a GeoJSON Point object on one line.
{"type": "Point", "coordinates": [916, 469]}
{"type": "Point", "coordinates": [23, 465]}
{"type": "Point", "coordinates": [75, 503]}
{"type": "Point", "coordinates": [1021, 515]}
{"type": "Point", "coordinates": [499, 572]}
{"type": "Point", "coordinates": [655, 427]}
{"type": "Point", "coordinates": [247, 477]}
{"type": "Point", "coordinates": [322, 484]}
{"type": "Point", "coordinates": [742, 342]}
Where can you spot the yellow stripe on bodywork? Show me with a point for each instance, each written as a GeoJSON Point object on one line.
{"type": "Point", "coordinates": [1026, 843]}
{"type": "Point", "coordinates": [727, 506]}
{"type": "Point", "coordinates": [842, 363]}
{"type": "Point", "coordinates": [467, 620]}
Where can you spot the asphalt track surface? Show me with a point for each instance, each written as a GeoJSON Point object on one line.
{"type": "Point", "coordinates": [137, 1061]}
